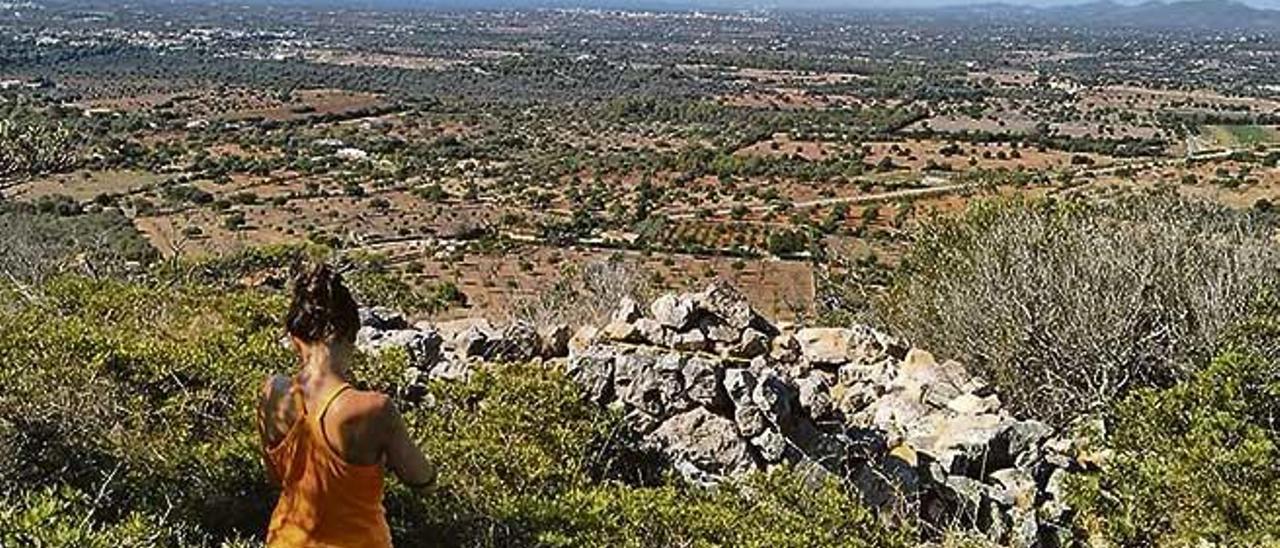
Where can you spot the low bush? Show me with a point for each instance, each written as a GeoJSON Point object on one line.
{"type": "Point", "coordinates": [127, 419]}
{"type": "Point", "coordinates": [586, 294]}
{"type": "Point", "coordinates": [779, 509]}
{"type": "Point", "coordinates": [34, 146]}
{"type": "Point", "coordinates": [35, 244]}
{"type": "Point", "coordinates": [1195, 464]}
{"type": "Point", "coordinates": [126, 404]}
{"type": "Point", "coordinates": [1067, 304]}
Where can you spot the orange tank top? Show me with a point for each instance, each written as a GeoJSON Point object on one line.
{"type": "Point", "coordinates": [324, 502]}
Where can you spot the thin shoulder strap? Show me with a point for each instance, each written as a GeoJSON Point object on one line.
{"type": "Point", "coordinates": [295, 394]}
{"type": "Point", "coordinates": [324, 407]}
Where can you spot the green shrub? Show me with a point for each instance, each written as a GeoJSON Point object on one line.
{"type": "Point", "coordinates": [127, 419]}
{"type": "Point", "coordinates": [1066, 305]}
{"type": "Point", "coordinates": [34, 245]}
{"type": "Point", "coordinates": [227, 270]}
{"type": "Point", "coordinates": [1195, 464]}
{"type": "Point", "coordinates": [506, 439]}
{"type": "Point", "coordinates": [141, 399]}
{"type": "Point", "coordinates": [53, 517]}
{"type": "Point", "coordinates": [376, 286]}
{"type": "Point", "coordinates": [58, 204]}
{"type": "Point", "coordinates": [235, 221]}
{"type": "Point", "coordinates": [36, 145]}
{"type": "Point", "coordinates": [778, 509]}
{"type": "Point", "coordinates": [188, 193]}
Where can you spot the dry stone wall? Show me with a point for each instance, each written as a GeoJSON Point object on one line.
{"type": "Point", "coordinates": [720, 392]}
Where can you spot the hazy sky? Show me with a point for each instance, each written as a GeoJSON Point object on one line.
{"type": "Point", "coordinates": [1274, 4]}
{"type": "Point", "coordinates": [755, 4]}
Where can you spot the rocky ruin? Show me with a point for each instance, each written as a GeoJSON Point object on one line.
{"type": "Point", "coordinates": [720, 391]}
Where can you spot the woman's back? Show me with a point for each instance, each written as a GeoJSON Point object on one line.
{"type": "Point", "coordinates": [330, 495]}
{"type": "Point", "coordinates": [325, 444]}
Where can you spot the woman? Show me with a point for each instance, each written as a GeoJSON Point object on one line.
{"type": "Point", "coordinates": [326, 443]}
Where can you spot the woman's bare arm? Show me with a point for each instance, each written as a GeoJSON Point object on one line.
{"type": "Point", "coordinates": [404, 458]}
{"type": "Point", "coordinates": [267, 405]}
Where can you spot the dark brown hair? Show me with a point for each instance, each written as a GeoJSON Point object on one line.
{"type": "Point", "coordinates": [322, 307]}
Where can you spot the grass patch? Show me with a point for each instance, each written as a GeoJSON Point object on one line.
{"type": "Point", "coordinates": [1239, 135]}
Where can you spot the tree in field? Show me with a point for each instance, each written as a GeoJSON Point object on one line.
{"type": "Point", "coordinates": [27, 149]}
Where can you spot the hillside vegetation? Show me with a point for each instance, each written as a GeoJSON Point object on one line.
{"type": "Point", "coordinates": [127, 420]}
{"type": "Point", "coordinates": [1205, 448]}
{"type": "Point", "coordinates": [126, 413]}
{"type": "Point", "coordinates": [1068, 305]}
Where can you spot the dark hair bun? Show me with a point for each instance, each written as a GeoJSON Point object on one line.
{"type": "Point", "coordinates": [322, 307]}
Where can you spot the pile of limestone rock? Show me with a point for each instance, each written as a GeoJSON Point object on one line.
{"type": "Point", "coordinates": [721, 392]}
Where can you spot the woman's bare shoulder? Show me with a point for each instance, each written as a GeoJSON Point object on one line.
{"type": "Point", "coordinates": [368, 404]}
{"type": "Point", "coordinates": [275, 388]}
{"type": "Point", "coordinates": [358, 420]}
{"type": "Point", "coordinates": [276, 413]}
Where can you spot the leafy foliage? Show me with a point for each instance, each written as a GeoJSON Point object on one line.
{"type": "Point", "coordinates": [1066, 305]}
{"type": "Point", "coordinates": [775, 509]}
{"type": "Point", "coordinates": [35, 244]}
{"type": "Point", "coordinates": [126, 419]}
{"type": "Point", "coordinates": [139, 399]}
{"type": "Point", "coordinates": [1206, 449]}
{"type": "Point", "coordinates": [33, 148]}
